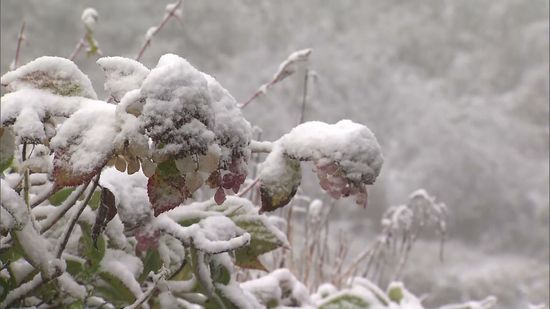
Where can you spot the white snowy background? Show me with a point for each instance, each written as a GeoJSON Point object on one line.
{"type": "Point", "coordinates": [456, 92]}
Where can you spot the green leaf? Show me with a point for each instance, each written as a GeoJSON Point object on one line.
{"type": "Point", "coordinates": [151, 262]}
{"type": "Point", "coordinates": [60, 196]}
{"type": "Point", "coordinates": [280, 178]}
{"type": "Point", "coordinates": [93, 254]}
{"type": "Point", "coordinates": [264, 238]}
{"type": "Point", "coordinates": [346, 300]}
{"type": "Point", "coordinates": [74, 267]}
{"type": "Point", "coordinates": [62, 77]}
{"type": "Point", "coordinates": [7, 148]}
{"type": "Point", "coordinates": [115, 290]}
{"type": "Point", "coordinates": [94, 200]}
{"type": "Point", "coordinates": [79, 304]}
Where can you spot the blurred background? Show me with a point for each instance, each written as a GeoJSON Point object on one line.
{"type": "Point", "coordinates": [457, 93]}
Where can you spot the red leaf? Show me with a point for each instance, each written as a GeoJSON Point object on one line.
{"type": "Point", "coordinates": [65, 176]}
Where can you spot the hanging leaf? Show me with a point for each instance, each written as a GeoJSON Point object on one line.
{"type": "Point", "coordinates": [280, 177]}
{"type": "Point", "coordinates": [166, 188]}
{"type": "Point", "coordinates": [106, 212]}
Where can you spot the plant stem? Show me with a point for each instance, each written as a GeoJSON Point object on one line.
{"type": "Point", "coordinates": [77, 49]}
{"type": "Point", "coordinates": [167, 17]}
{"type": "Point", "coordinates": [20, 39]}
{"type": "Point", "coordinates": [304, 97]}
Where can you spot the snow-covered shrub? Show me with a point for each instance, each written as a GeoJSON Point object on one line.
{"type": "Point", "coordinates": [100, 203]}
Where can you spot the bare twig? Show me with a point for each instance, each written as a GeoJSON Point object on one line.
{"type": "Point", "coordinates": [24, 289]}
{"type": "Point", "coordinates": [74, 218]}
{"type": "Point", "coordinates": [78, 48]}
{"type": "Point", "coordinates": [304, 97]}
{"type": "Point", "coordinates": [62, 209]}
{"type": "Point", "coordinates": [145, 296]}
{"type": "Point", "coordinates": [249, 187]}
{"type": "Point", "coordinates": [169, 14]}
{"type": "Point", "coordinates": [286, 68]}
{"type": "Point", "coordinates": [20, 39]}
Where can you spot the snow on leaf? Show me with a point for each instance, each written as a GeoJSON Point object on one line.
{"type": "Point", "coordinates": [264, 236]}
{"type": "Point", "coordinates": [280, 177]}
{"type": "Point", "coordinates": [56, 75]}
{"type": "Point", "coordinates": [29, 111]}
{"type": "Point", "coordinates": [166, 188]}
{"type": "Point", "coordinates": [130, 191]}
{"type": "Point", "coordinates": [346, 155]}
{"type": "Point", "coordinates": [80, 146]}
{"type": "Point", "coordinates": [122, 75]}
{"type": "Point", "coordinates": [177, 114]}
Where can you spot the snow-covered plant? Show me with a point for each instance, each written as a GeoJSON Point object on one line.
{"type": "Point", "coordinates": [101, 200]}
{"type": "Point", "coordinates": [123, 172]}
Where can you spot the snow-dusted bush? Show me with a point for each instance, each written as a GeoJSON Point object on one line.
{"type": "Point", "coordinates": [101, 199]}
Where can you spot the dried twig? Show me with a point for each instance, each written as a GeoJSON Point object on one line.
{"type": "Point", "coordinates": [20, 39]}
{"type": "Point", "coordinates": [286, 68]}
{"type": "Point", "coordinates": [171, 11]}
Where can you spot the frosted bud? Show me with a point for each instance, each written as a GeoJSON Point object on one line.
{"type": "Point", "coordinates": [90, 17]}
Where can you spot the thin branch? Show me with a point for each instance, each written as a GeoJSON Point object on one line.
{"type": "Point", "coordinates": [304, 97]}
{"type": "Point", "coordinates": [62, 209]}
{"type": "Point", "coordinates": [20, 39]}
{"type": "Point", "coordinates": [44, 196]}
{"type": "Point", "coordinates": [171, 13]}
{"type": "Point", "coordinates": [78, 48]}
{"type": "Point", "coordinates": [249, 187]}
{"type": "Point", "coordinates": [21, 291]}
{"type": "Point", "coordinates": [74, 218]}
{"type": "Point", "coordinates": [145, 296]}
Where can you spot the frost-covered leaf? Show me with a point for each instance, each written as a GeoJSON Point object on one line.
{"type": "Point", "coordinates": [264, 236]}
{"type": "Point", "coordinates": [114, 290]}
{"type": "Point", "coordinates": [30, 113]}
{"type": "Point", "coordinates": [280, 177]}
{"type": "Point", "coordinates": [7, 148]}
{"type": "Point", "coordinates": [347, 155]}
{"type": "Point", "coordinates": [122, 75]}
{"type": "Point", "coordinates": [56, 75]}
{"type": "Point", "coordinates": [81, 147]}
{"type": "Point", "coordinates": [130, 191]}
{"type": "Point", "coordinates": [105, 213]}
{"type": "Point", "coordinates": [177, 114]}
{"type": "Point", "coordinates": [346, 300]}
{"type": "Point", "coordinates": [166, 188]}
